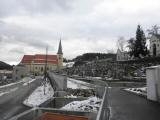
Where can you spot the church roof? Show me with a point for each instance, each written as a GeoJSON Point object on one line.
{"type": "Point", "coordinates": [27, 58]}
{"type": "Point", "coordinates": [60, 48]}
{"type": "Point", "coordinates": [39, 59]}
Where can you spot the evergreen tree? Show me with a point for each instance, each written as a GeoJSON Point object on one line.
{"type": "Point", "coordinates": [140, 48]}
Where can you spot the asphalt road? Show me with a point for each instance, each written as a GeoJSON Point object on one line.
{"type": "Point", "coordinates": [11, 101]}
{"type": "Point", "coordinates": [128, 106]}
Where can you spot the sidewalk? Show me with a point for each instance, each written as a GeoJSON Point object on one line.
{"type": "Point", "coordinates": [127, 106]}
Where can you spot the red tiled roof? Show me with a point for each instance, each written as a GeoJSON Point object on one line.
{"type": "Point", "coordinates": [40, 58]}
{"type": "Point", "coordinates": [27, 58]}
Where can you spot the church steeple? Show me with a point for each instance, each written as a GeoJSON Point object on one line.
{"type": "Point", "coordinates": [60, 48]}
{"type": "Point", "coordinates": [60, 56]}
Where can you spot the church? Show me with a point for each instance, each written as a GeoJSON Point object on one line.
{"type": "Point", "coordinates": [35, 64]}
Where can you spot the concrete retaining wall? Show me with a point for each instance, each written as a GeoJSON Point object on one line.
{"type": "Point", "coordinates": [153, 83]}
{"type": "Point", "coordinates": [59, 81]}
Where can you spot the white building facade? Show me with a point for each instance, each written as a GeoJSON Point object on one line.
{"type": "Point", "coordinates": [155, 45]}
{"type": "Point", "coordinates": [153, 83]}
{"type": "Point", "coordinates": [122, 55]}
{"type": "Point", "coordinates": [19, 72]}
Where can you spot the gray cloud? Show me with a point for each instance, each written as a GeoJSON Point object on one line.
{"type": "Point", "coordinates": [32, 7]}
{"type": "Point", "coordinates": [17, 50]}
{"type": "Point", "coordinates": [28, 26]}
{"type": "Point", "coordinates": [39, 44]}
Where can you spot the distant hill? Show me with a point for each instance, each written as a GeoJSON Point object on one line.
{"type": "Point", "coordinates": [93, 56]}
{"type": "Point", "coordinates": [5, 66]}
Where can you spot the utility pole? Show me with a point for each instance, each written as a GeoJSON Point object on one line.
{"type": "Point", "coordinates": [45, 69]}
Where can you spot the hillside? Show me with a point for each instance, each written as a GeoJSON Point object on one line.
{"type": "Point", "coordinates": [4, 65]}
{"type": "Point", "coordinates": [93, 56]}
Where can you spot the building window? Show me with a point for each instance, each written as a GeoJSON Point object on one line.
{"type": "Point", "coordinates": [41, 69]}
{"type": "Point", "coordinates": [16, 71]}
{"type": "Point", "coordinates": [22, 76]}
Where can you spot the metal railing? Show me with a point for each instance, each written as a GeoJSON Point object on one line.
{"type": "Point", "coordinates": [104, 111]}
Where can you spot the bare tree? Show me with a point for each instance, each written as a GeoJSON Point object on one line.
{"type": "Point", "coordinates": [154, 30]}
{"type": "Point", "coordinates": [131, 46]}
{"type": "Point", "coordinates": [121, 43]}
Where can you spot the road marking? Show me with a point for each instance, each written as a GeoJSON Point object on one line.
{"type": "Point", "coordinates": [7, 92]}
{"type": "Point", "coordinates": [28, 82]}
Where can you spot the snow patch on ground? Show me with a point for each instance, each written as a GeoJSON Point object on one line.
{"type": "Point", "coordinates": [94, 77]}
{"type": "Point", "coordinates": [91, 104]}
{"type": "Point", "coordinates": [140, 91]}
{"type": "Point", "coordinates": [68, 64]}
{"type": "Point", "coordinates": [11, 90]}
{"type": "Point", "coordinates": [70, 96]}
{"type": "Point", "coordinates": [38, 97]}
{"type": "Point", "coordinates": [77, 84]}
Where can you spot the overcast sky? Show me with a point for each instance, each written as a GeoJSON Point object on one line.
{"type": "Point", "coordinates": [28, 26]}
